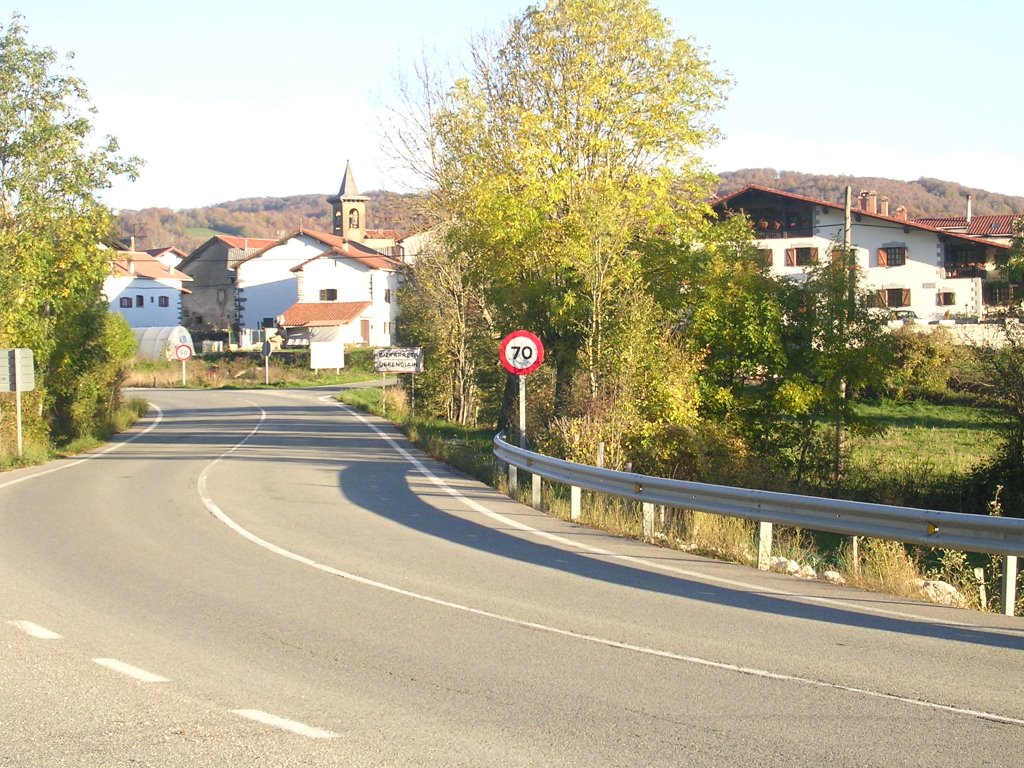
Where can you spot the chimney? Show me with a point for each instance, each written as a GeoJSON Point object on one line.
{"type": "Point", "coordinates": [884, 206]}
{"type": "Point", "coordinates": [901, 212]}
{"type": "Point", "coordinates": [968, 210]}
{"type": "Point", "coordinates": [862, 200]}
{"type": "Point", "coordinates": [872, 202]}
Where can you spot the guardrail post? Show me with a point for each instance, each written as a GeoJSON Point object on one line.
{"type": "Point", "coordinates": [575, 502]}
{"type": "Point", "coordinates": [513, 480]}
{"type": "Point", "coordinates": [1009, 584]}
{"type": "Point", "coordinates": [648, 521]}
{"type": "Point", "coordinates": [536, 491]}
{"type": "Point", "coordinates": [764, 545]}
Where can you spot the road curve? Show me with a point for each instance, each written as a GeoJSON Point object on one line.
{"type": "Point", "coordinates": [269, 578]}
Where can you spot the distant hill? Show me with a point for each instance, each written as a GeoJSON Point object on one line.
{"type": "Point", "coordinates": [408, 213]}
{"type": "Point", "coordinates": [265, 217]}
{"type": "Point", "coordinates": [923, 198]}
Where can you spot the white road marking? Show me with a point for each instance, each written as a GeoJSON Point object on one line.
{"type": "Point", "coordinates": [127, 669]}
{"type": "Point", "coordinates": [96, 454]}
{"type": "Point", "coordinates": [34, 630]}
{"type": "Point", "coordinates": [285, 725]}
{"type": "Point", "coordinates": [695, 660]}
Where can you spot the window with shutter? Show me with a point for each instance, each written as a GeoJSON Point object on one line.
{"type": "Point", "coordinates": [791, 257]}
{"type": "Point", "coordinates": [883, 260]}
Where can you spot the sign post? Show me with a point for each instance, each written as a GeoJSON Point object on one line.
{"type": "Point", "coordinates": [521, 353]}
{"type": "Point", "coordinates": [398, 360]}
{"type": "Point", "coordinates": [17, 375]}
{"type": "Point", "coordinates": [267, 349]}
{"type": "Point", "coordinates": [183, 352]}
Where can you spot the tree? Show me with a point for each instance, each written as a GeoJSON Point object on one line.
{"type": "Point", "coordinates": [443, 312]}
{"type": "Point", "coordinates": [574, 134]}
{"type": "Point", "coordinates": [836, 345]}
{"type": "Point", "coordinates": [51, 226]}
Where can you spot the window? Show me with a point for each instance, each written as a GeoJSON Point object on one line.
{"type": "Point", "coordinates": [126, 302]}
{"type": "Point", "coordinates": [801, 257]}
{"type": "Point", "coordinates": [140, 300]}
{"type": "Point", "coordinates": [163, 301]}
{"type": "Point", "coordinates": [268, 322]}
{"type": "Point", "coordinates": [894, 297]}
{"type": "Point", "coordinates": [892, 256]}
{"type": "Point", "coordinates": [222, 295]}
{"type": "Point", "coordinates": [996, 293]}
{"type": "Point", "coordinates": [766, 257]}
{"type": "Point", "coordinates": [387, 295]}
{"type": "Point", "coordinates": [947, 299]}
{"type": "Point", "coordinates": [328, 294]}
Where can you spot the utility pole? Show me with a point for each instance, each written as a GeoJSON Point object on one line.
{"type": "Point", "coordinates": [846, 218]}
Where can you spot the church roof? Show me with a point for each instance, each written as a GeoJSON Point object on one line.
{"type": "Point", "coordinates": [348, 189]}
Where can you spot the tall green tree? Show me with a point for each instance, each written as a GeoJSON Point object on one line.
{"type": "Point", "coordinates": [51, 226]}
{"type": "Point", "coordinates": [577, 131]}
{"type": "Point", "coordinates": [836, 344]}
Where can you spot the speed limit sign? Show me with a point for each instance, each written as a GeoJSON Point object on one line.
{"type": "Point", "coordinates": [183, 352]}
{"type": "Point", "coordinates": [521, 353]}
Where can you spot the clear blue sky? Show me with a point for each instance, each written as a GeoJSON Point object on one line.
{"type": "Point", "coordinates": [225, 100]}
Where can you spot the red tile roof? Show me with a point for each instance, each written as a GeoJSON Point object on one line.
{"type": "Point", "coordinates": [1000, 225]}
{"type": "Point", "coordinates": [322, 313]}
{"type": "Point", "coordinates": [141, 264]}
{"type": "Point", "coordinates": [383, 234]}
{"type": "Point", "coordinates": [247, 243]}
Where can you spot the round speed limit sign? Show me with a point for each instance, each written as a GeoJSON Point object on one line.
{"type": "Point", "coordinates": [183, 352]}
{"type": "Point", "coordinates": [521, 353]}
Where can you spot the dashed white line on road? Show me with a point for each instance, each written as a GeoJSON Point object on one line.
{"type": "Point", "coordinates": [127, 669]}
{"type": "Point", "coordinates": [34, 630]}
{"type": "Point", "coordinates": [285, 725]}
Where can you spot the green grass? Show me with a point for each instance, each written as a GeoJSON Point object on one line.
{"type": "Point", "coordinates": [949, 439]}
{"type": "Point", "coordinates": [202, 232]}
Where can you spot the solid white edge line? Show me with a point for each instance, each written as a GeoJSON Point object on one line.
{"type": "Point", "coordinates": [135, 672]}
{"type": "Point", "coordinates": [283, 724]}
{"type": "Point", "coordinates": [94, 455]}
{"type": "Point", "coordinates": [217, 512]}
{"type": "Point", "coordinates": [35, 630]}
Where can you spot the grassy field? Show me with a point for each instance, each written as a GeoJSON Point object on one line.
{"type": "Point", "coordinates": [952, 439]}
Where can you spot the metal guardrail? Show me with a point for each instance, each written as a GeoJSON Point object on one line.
{"type": "Point", "coordinates": [925, 527]}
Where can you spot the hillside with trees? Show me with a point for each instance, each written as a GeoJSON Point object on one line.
{"type": "Point", "coordinates": [408, 213]}
{"type": "Point", "coordinates": [264, 217]}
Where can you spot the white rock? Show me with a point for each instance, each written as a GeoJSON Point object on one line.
{"type": "Point", "coordinates": [939, 592]}
{"type": "Point", "coordinates": [833, 577]}
{"type": "Point", "coordinates": [806, 572]}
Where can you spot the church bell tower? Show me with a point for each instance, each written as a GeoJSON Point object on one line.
{"type": "Point", "coordinates": [348, 209]}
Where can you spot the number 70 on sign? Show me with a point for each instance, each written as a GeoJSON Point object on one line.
{"type": "Point", "coordinates": [521, 353]}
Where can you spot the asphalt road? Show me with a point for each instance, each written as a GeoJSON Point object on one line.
{"type": "Point", "coordinates": [266, 578]}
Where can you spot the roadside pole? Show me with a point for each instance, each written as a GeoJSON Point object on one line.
{"type": "Point", "coordinates": [521, 353]}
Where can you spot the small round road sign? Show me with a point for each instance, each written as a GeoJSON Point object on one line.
{"type": "Point", "coordinates": [183, 352]}
{"type": "Point", "coordinates": [521, 353]}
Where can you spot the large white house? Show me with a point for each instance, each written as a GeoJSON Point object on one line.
{"type": "Point", "coordinates": [145, 289]}
{"type": "Point", "coordinates": [935, 273]}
